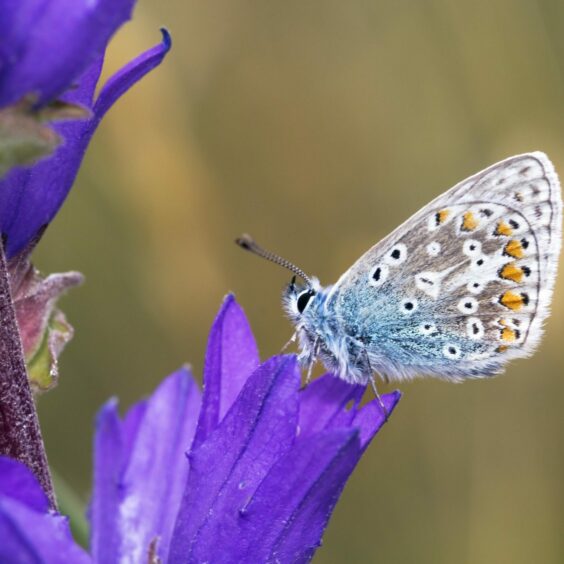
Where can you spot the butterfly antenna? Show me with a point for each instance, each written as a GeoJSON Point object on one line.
{"type": "Point", "coordinates": [247, 243]}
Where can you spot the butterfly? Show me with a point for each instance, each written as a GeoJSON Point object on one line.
{"type": "Point", "coordinates": [455, 292]}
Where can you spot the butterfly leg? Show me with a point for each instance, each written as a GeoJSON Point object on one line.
{"type": "Point", "coordinates": [380, 402]}
{"type": "Point", "coordinates": [312, 360]}
{"type": "Point", "coordinates": [373, 386]}
{"type": "Point", "coordinates": [290, 341]}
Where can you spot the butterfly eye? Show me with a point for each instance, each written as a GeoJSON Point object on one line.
{"type": "Point", "coordinates": [303, 300]}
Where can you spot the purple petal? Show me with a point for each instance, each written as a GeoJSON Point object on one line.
{"type": "Point", "coordinates": [226, 469]}
{"type": "Point", "coordinates": [325, 399]}
{"type": "Point", "coordinates": [131, 423]}
{"type": "Point", "coordinates": [156, 472]}
{"type": "Point", "coordinates": [106, 498]}
{"type": "Point", "coordinates": [125, 78]}
{"type": "Point", "coordinates": [28, 536]}
{"type": "Point", "coordinates": [324, 405]}
{"type": "Point", "coordinates": [82, 93]}
{"type": "Point", "coordinates": [287, 515]}
{"type": "Point", "coordinates": [31, 197]}
{"type": "Point", "coordinates": [19, 483]}
{"type": "Point", "coordinates": [231, 357]}
{"type": "Point", "coordinates": [46, 45]}
{"type": "Point", "coordinates": [370, 418]}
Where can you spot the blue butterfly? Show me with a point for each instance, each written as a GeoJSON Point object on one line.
{"type": "Point", "coordinates": [458, 290]}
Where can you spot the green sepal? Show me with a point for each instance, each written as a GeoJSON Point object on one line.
{"type": "Point", "coordinates": [42, 363]}
{"type": "Point", "coordinates": [23, 138]}
{"type": "Point", "coordinates": [44, 330]}
{"type": "Point", "coordinates": [26, 134]}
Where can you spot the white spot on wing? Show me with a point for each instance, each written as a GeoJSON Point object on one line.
{"type": "Point", "coordinates": [378, 275]}
{"type": "Point", "coordinates": [468, 305]}
{"type": "Point", "coordinates": [409, 306]}
{"type": "Point", "coordinates": [452, 351]}
{"type": "Point", "coordinates": [434, 249]}
{"type": "Point", "coordinates": [396, 255]}
{"type": "Point", "coordinates": [429, 282]}
{"type": "Point", "coordinates": [472, 248]}
{"type": "Point", "coordinates": [480, 262]}
{"type": "Point", "coordinates": [475, 286]}
{"type": "Point", "coordinates": [475, 328]}
{"type": "Point", "coordinates": [432, 224]}
{"type": "Point", "coordinates": [428, 328]}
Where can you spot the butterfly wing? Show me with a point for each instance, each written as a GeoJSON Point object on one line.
{"type": "Point", "coordinates": [465, 284]}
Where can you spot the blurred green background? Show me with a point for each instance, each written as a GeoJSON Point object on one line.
{"type": "Point", "coordinates": [319, 127]}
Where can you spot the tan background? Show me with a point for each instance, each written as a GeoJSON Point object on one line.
{"type": "Point", "coordinates": [318, 127]}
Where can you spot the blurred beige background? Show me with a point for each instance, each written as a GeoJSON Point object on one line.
{"type": "Point", "coordinates": [318, 127]}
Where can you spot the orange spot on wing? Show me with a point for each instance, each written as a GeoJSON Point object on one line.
{"type": "Point", "coordinates": [469, 221]}
{"type": "Point", "coordinates": [503, 228]}
{"type": "Point", "coordinates": [441, 216]}
{"type": "Point", "coordinates": [511, 271]}
{"type": "Point", "coordinates": [514, 249]}
{"type": "Point", "coordinates": [508, 335]}
{"type": "Point", "coordinates": [501, 348]}
{"type": "Point", "coordinates": [513, 301]}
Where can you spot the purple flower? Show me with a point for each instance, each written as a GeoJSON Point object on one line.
{"type": "Point", "coordinates": [46, 47]}
{"type": "Point", "coordinates": [29, 532]}
{"type": "Point", "coordinates": [266, 463]}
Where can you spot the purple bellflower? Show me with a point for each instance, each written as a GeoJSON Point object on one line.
{"type": "Point", "coordinates": [248, 471]}
{"type": "Point", "coordinates": [45, 45]}
{"type": "Point", "coordinates": [31, 196]}
{"type": "Point", "coordinates": [51, 55]}
{"type": "Point", "coordinates": [54, 49]}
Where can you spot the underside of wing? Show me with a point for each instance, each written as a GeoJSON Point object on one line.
{"type": "Point", "coordinates": [465, 284]}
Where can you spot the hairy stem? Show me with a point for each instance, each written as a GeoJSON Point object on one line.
{"type": "Point", "coordinates": [20, 434]}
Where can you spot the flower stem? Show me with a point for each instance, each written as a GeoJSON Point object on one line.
{"type": "Point", "coordinates": [20, 434]}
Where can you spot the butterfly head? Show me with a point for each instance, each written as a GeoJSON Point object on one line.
{"type": "Point", "coordinates": [299, 299]}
